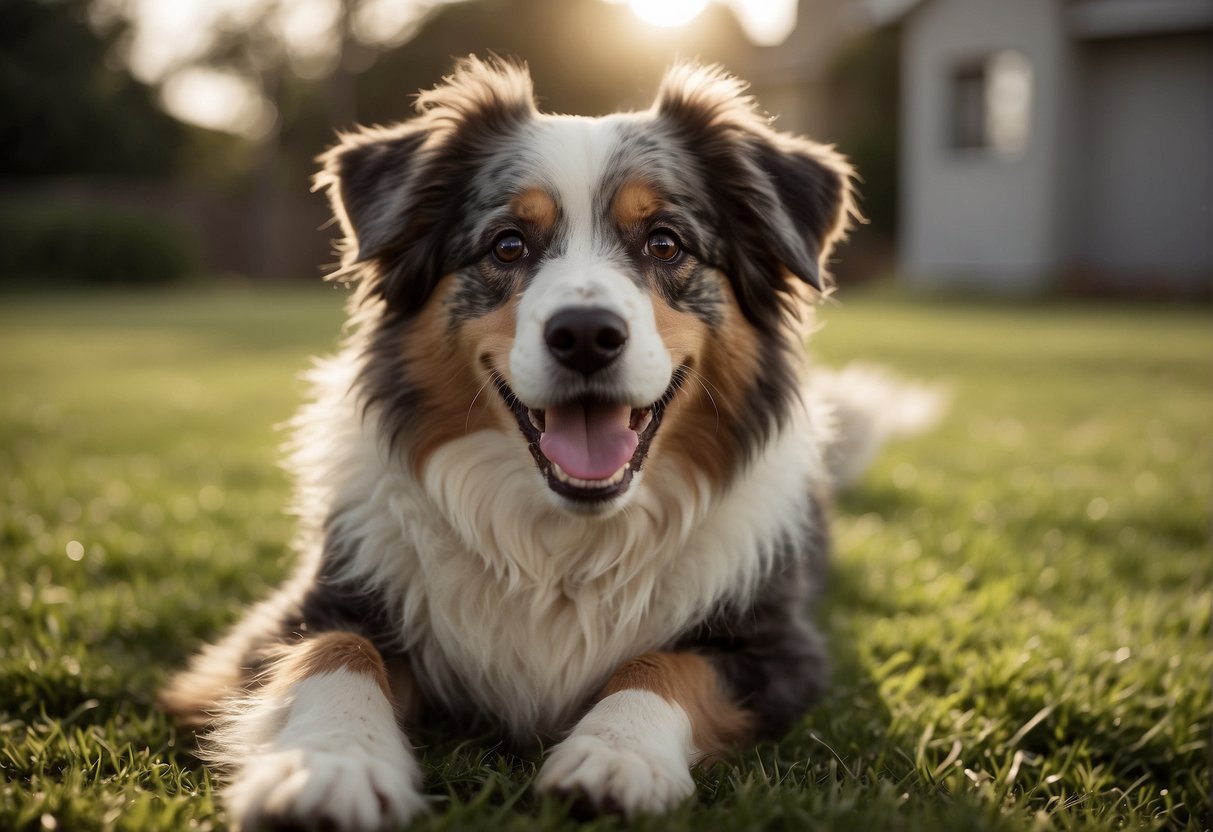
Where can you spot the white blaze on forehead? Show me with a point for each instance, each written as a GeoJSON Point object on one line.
{"type": "Point", "coordinates": [574, 157]}
{"type": "Point", "coordinates": [574, 154]}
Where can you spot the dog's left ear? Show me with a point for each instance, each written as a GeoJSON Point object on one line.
{"type": "Point", "coordinates": [785, 200]}
{"type": "Point", "coordinates": [813, 185]}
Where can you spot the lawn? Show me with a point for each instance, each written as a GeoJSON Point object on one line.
{"type": "Point", "coordinates": [1019, 609]}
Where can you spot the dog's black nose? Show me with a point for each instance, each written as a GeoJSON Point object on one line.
{"type": "Point", "coordinates": [586, 339]}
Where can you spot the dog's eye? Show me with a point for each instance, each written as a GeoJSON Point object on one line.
{"type": "Point", "coordinates": [509, 247]}
{"type": "Point", "coordinates": [663, 245]}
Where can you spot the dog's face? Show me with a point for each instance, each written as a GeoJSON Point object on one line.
{"type": "Point", "coordinates": [610, 295]}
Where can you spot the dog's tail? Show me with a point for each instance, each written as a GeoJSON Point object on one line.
{"type": "Point", "coordinates": [868, 406]}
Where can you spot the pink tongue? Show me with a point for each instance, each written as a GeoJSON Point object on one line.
{"type": "Point", "coordinates": [589, 441]}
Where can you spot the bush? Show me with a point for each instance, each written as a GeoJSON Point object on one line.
{"type": "Point", "coordinates": [91, 244]}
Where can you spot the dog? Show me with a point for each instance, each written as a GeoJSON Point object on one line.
{"type": "Point", "coordinates": [567, 478]}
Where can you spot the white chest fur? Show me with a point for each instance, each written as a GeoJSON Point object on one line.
{"type": "Point", "coordinates": [513, 605]}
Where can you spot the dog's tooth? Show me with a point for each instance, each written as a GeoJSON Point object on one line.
{"type": "Point", "coordinates": [536, 419]}
{"type": "Point", "coordinates": [578, 482]}
{"type": "Point", "coordinates": [644, 420]}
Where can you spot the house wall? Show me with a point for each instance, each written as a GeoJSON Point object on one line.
{"type": "Point", "coordinates": [970, 217]}
{"type": "Point", "coordinates": [1147, 174]}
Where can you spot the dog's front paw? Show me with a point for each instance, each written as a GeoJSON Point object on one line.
{"type": "Point", "coordinates": [312, 789]}
{"type": "Point", "coordinates": [627, 778]}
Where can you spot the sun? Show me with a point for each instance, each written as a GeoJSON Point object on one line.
{"type": "Point", "coordinates": [766, 22]}
{"type": "Point", "coordinates": [667, 12]}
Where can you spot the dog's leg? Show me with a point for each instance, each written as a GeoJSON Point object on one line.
{"type": "Point", "coordinates": [317, 746]}
{"type": "Point", "coordinates": [660, 714]}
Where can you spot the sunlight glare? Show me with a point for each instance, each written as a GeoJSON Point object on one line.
{"type": "Point", "coordinates": [309, 29]}
{"type": "Point", "coordinates": [1009, 101]}
{"type": "Point", "coordinates": [667, 12]}
{"type": "Point", "coordinates": [218, 100]}
{"type": "Point", "coordinates": [766, 22]}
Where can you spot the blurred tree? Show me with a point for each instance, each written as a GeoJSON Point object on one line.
{"type": "Point", "coordinates": [66, 111]}
{"type": "Point", "coordinates": [862, 88]}
{"type": "Point", "coordinates": [587, 56]}
{"type": "Point", "coordinates": [71, 107]}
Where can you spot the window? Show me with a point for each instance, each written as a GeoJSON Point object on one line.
{"type": "Point", "coordinates": [969, 106]}
{"type": "Point", "coordinates": [991, 103]}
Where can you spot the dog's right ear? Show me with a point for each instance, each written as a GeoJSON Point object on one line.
{"type": "Point", "coordinates": [400, 192]}
{"type": "Point", "coordinates": [367, 177]}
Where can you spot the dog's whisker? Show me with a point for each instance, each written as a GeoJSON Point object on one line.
{"type": "Point", "coordinates": [703, 382]}
{"type": "Point", "coordinates": [468, 419]}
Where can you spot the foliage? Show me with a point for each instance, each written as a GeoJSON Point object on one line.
{"type": "Point", "coordinates": [91, 244]}
{"type": "Point", "coordinates": [862, 94]}
{"type": "Point", "coordinates": [1019, 611]}
{"type": "Point", "coordinates": [66, 110]}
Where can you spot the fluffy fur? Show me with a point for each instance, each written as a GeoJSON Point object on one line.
{"type": "Point", "coordinates": [451, 568]}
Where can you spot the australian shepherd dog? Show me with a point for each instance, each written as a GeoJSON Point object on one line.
{"type": "Point", "coordinates": [567, 478]}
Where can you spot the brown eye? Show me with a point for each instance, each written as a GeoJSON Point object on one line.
{"type": "Point", "coordinates": [509, 247]}
{"type": "Point", "coordinates": [663, 245]}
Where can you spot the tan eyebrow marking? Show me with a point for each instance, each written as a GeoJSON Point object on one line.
{"type": "Point", "coordinates": [535, 205]}
{"type": "Point", "coordinates": [635, 202]}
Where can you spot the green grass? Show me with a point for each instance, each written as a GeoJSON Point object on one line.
{"type": "Point", "coordinates": [1019, 611]}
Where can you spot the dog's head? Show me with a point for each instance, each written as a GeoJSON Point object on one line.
{"type": "Point", "coordinates": [603, 293]}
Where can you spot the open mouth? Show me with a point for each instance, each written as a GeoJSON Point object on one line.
{"type": "Point", "coordinates": [590, 448]}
